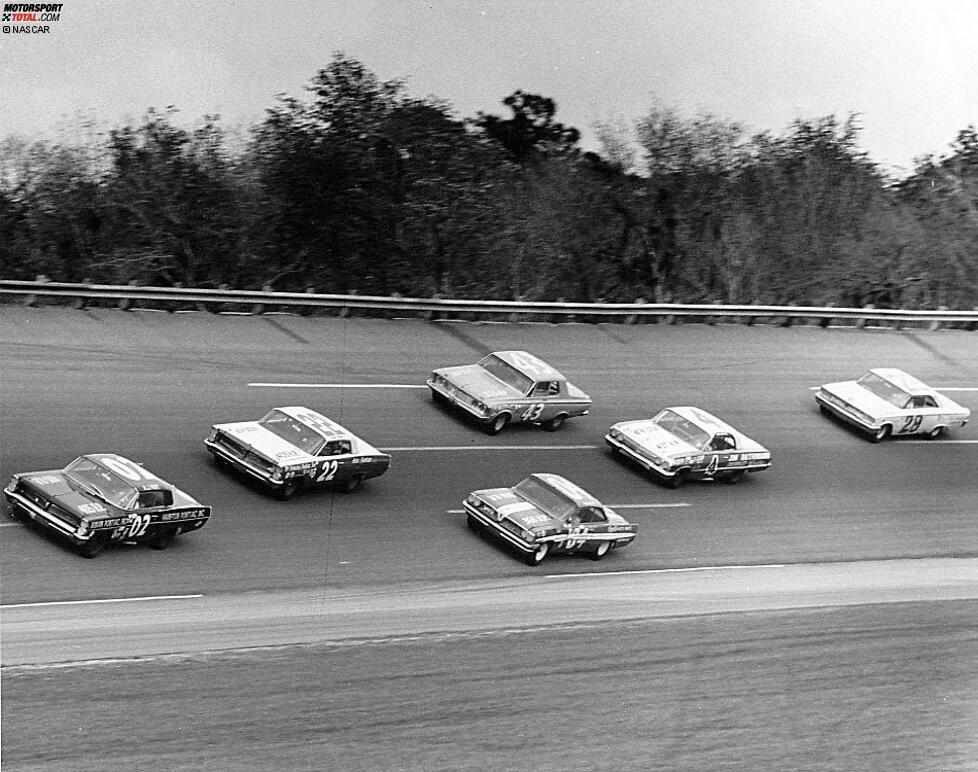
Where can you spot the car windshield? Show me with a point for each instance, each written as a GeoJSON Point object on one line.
{"type": "Point", "coordinates": [682, 428]}
{"type": "Point", "coordinates": [884, 389]}
{"type": "Point", "coordinates": [506, 373]}
{"type": "Point", "coordinates": [546, 498]}
{"type": "Point", "coordinates": [102, 481]}
{"type": "Point", "coordinates": [293, 431]}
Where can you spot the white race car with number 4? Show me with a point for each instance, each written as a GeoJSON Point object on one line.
{"type": "Point", "coordinates": [887, 401]}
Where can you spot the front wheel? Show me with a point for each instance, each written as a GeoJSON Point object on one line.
{"type": "Point", "coordinates": [880, 434]}
{"type": "Point", "coordinates": [288, 489]}
{"type": "Point", "coordinates": [936, 433]}
{"type": "Point", "coordinates": [676, 480]}
{"type": "Point", "coordinates": [603, 549]}
{"type": "Point", "coordinates": [555, 423]}
{"type": "Point", "coordinates": [496, 425]}
{"type": "Point", "coordinates": [733, 478]}
{"type": "Point", "coordinates": [536, 557]}
{"type": "Point", "coordinates": [93, 546]}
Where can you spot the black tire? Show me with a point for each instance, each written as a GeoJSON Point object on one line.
{"type": "Point", "coordinates": [733, 478]}
{"type": "Point", "coordinates": [536, 557]}
{"type": "Point", "coordinates": [162, 540]}
{"type": "Point", "coordinates": [555, 423]}
{"type": "Point", "coordinates": [601, 550]}
{"type": "Point", "coordinates": [880, 434]}
{"type": "Point", "coordinates": [288, 489]}
{"type": "Point", "coordinates": [497, 424]}
{"type": "Point", "coordinates": [220, 462]}
{"type": "Point", "coordinates": [937, 432]}
{"type": "Point", "coordinates": [349, 486]}
{"type": "Point", "coordinates": [93, 546]}
{"type": "Point", "coordinates": [438, 398]}
{"type": "Point", "coordinates": [676, 480]}
{"type": "Point", "coordinates": [474, 525]}
{"type": "Point", "coordinates": [825, 411]}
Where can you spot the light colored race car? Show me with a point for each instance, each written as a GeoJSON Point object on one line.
{"type": "Point", "coordinates": [102, 498]}
{"type": "Point", "coordinates": [510, 387]}
{"type": "Point", "coordinates": [292, 447]}
{"type": "Point", "coordinates": [687, 443]}
{"type": "Point", "coordinates": [546, 514]}
{"type": "Point", "coordinates": [887, 401]}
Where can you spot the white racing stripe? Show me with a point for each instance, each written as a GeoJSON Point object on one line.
{"type": "Point", "coordinates": [98, 600]}
{"type": "Point", "coordinates": [936, 443]}
{"type": "Point", "coordinates": [339, 385]}
{"type": "Point", "coordinates": [665, 571]}
{"type": "Point", "coordinates": [936, 388]}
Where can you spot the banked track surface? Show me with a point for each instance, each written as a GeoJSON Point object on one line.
{"type": "Point", "coordinates": [149, 385]}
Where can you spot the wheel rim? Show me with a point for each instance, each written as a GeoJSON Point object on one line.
{"type": "Point", "coordinates": [499, 423]}
{"type": "Point", "coordinates": [603, 548]}
{"type": "Point", "coordinates": [541, 552]}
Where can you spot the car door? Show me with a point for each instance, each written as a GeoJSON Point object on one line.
{"type": "Point", "coordinates": [721, 455]}
{"type": "Point", "coordinates": [920, 415]}
{"type": "Point", "coordinates": [335, 462]}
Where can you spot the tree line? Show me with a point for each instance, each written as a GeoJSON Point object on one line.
{"type": "Point", "coordinates": [359, 187]}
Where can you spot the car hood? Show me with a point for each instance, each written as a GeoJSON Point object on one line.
{"type": "Point", "coordinates": [476, 382]}
{"type": "Point", "coordinates": [861, 399]}
{"type": "Point", "coordinates": [514, 508]}
{"type": "Point", "coordinates": [654, 438]}
{"type": "Point", "coordinates": [267, 444]}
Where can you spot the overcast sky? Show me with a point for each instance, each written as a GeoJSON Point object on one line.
{"type": "Point", "coordinates": [909, 67]}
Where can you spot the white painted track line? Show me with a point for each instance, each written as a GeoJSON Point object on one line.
{"type": "Point", "coordinates": [99, 600]}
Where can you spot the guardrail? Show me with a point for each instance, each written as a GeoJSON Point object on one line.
{"type": "Point", "coordinates": [260, 301]}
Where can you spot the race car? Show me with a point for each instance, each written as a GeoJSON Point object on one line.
{"type": "Point", "coordinates": [292, 447]}
{"type": "Point", "coordinates": [687, 443]}
{"type": "Point", "coordinates": [102, 498]}
{"type": "Point", "coordinates": [888, 401]}
{"type": "Point", "coordinates": [546, 514]}
{"type": "Point", "coordinates": [510, 387]}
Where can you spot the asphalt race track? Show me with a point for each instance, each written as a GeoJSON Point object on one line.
{"type": "Point", "coordinates": [843, 556]}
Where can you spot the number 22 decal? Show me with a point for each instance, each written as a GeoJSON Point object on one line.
{"type": "Point", "coordinates": [328, 472]}
{"type": "Point", "coordinates": [911, 424]}
{"type": "Point", "coordinates": [533, 412]}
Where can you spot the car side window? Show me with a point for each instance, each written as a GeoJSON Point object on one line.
{"type": "Point", "coordinates": [592, 515]}
{"type": "Point", "coordinates": [723, 442]}
{"type": "Point", "coordinates": [922, 400]}
{"type": "Point", "coordinates": [150, 499]}
{"type": "Point", "coordinates": [337, 448]}
{"type": "Point", "coordinates": [545, 389]}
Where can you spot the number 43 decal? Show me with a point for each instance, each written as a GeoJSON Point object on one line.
{"type": "Point", "coordinates": [533, 412]}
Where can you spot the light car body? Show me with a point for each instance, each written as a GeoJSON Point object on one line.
{"type": "Point", "coordinates": [292, 447]}
{"type": "Point", "coordinates": [102, 498]}
{"type": "Point", "coordinates": [510, 387]}
{"type": "Point", "coordinates": [546, 514]}
{"type": "Point", "coordinates": [887, 401]}
{"type": "Point", "coordinates": [683, 443]}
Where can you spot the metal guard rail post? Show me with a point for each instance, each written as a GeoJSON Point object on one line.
{"type": "Point", "coordinates": [126, 296]}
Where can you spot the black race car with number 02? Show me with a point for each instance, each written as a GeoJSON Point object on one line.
{"type": "Point", "coordinates": [293, 447]}
{"type": "Point", "coordinates": [102, 498]}
{"type": "Point", "coordinates": [545, 514]}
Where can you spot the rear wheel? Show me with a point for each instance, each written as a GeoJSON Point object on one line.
{"type": "Point", "coordinates": [603, 549]}
{"type": "Point", "coordinates": [438, 398]}
{"type": "Point", "coordinates": [472, 523]}
{"type": "Point", "coordinates": [288, 489]}
{"type": "Point", "coordinates": [555, 423]}
{"type": "Point", "coordinates": [881, 434]}
{"type": "Point", "coordinates": [937, 432]}
{"type": "Point", "coordinates": [496, 425]}
{"type": "Point", "coordinates": [733, 477]}
{"type": "Point", "coordinates": [536, 557]}
{"type": "Point", "coordinates": [352, 484]}
{"type": "Point", "coordinates": [162, 540]}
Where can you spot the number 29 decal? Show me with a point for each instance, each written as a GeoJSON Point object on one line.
{"type": "Point", "coordinates": [911, 424]}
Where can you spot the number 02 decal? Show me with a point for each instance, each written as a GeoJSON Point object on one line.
{"type": "Point", "coordinates": [533, 412]}
{"type": "Point", "coordinates": [139, 525]}
{"type": "Point", "coordinates": [911, 424]}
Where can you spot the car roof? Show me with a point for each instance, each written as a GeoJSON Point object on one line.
{"type": "Point", "coordinates": [149, 481]}
{"type": "Point", "coordinates": [574, 492]}
{"type": "Point", "coordinates": [326, 427]}
{"type": "Point", "coordinates": [706, 421]}
{"type": "Point", "coordinates": [529, 365]}
{"type": "Point", "coordinates": [903, 380]}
